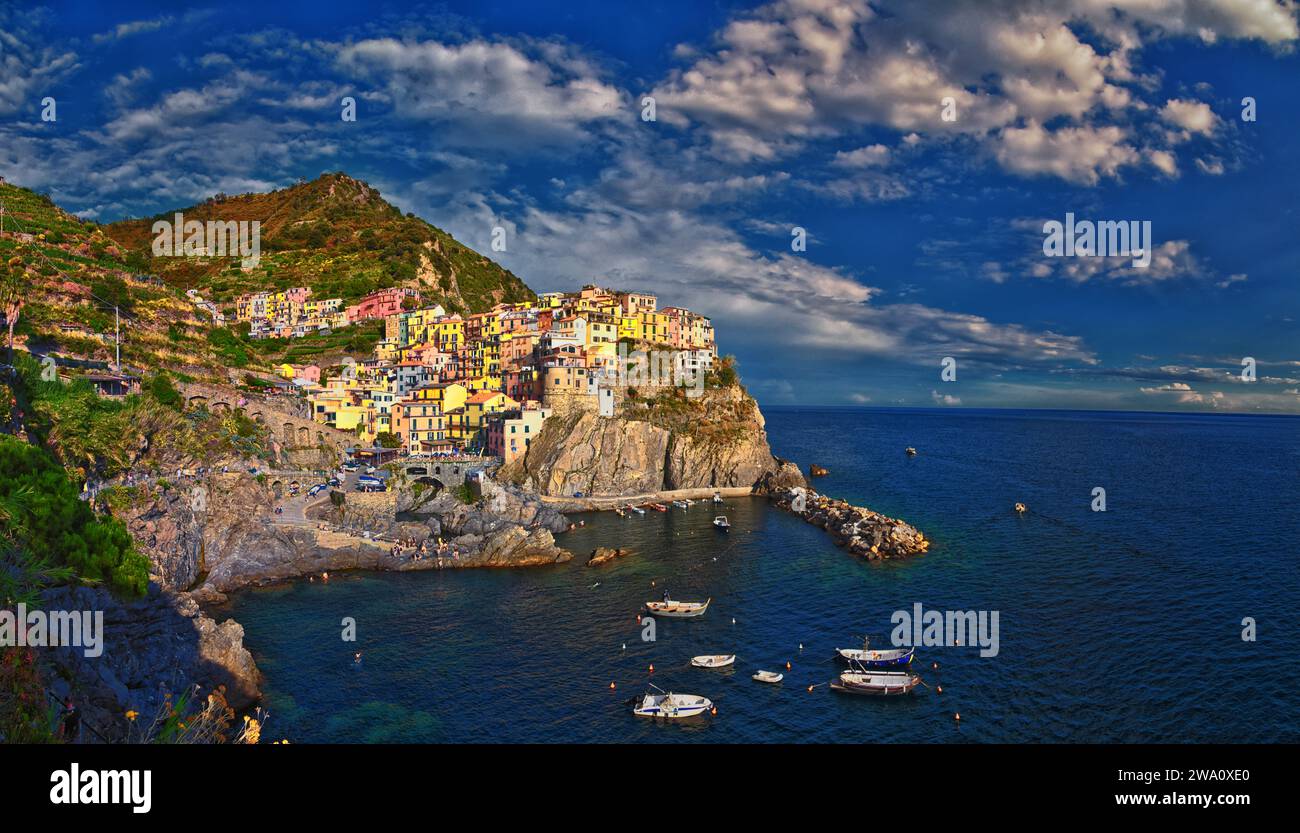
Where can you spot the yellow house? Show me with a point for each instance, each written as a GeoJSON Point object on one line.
{"type": "Point", "coordinates": [447, 396]}
{"type": "Point", "coordinates": [286, 370]}
{"type": "Point", "coordinates": [654, 328]}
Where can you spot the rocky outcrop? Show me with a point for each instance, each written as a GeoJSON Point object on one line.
{"type": "Point", "coordinates": [861, 531]}
{"type": "Point", "coordinates": [715, 442]}
{"type": "Point", "coordinates": [603, 555]}
{"type": "Point", "coordinates": [159, 645]}
{"type": "Point", "coordinates": [815, 470]}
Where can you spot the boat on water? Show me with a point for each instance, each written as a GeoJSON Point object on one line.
{"type": "Point", "coordinates": [672, 706]}
{"type": "Point", "coordinates": [681, 504]}
{"type": "Point", "coordinates": [768, 676]}
{"type": "Point", "coordinates": [678, 610]}
{"type": "Point", "coordinates": [636, 509]}
{"type": "Point", "coordinates": [717, 498]}
{"type": "Point", "coordinates": [713, 660]}
{"type": "Point", "coordinates": [911, 452]}
{"type": "Point", "coordinates": [876, 682]}
{"type": "Point", "coordinates": [866, 657]}
{"type": "Point", "coordinates": [658, 507]}
{"type": "Point", "coordinates": [722, 523]}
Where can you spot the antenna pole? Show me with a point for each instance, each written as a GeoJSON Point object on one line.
{"type": "Point", "coordinates": [117, 337]}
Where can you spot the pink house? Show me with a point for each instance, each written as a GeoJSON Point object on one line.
{"type": "Point", "coordinates": [380, 304]}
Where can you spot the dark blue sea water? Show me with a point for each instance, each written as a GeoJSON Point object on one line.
{"type": "Point", "coordinates": [1114, 627]}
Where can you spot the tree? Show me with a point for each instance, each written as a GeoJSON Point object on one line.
{"type": "Point", "coordinates": [387, 439]}
{"type": "Point", "coordinates": [13, 288]}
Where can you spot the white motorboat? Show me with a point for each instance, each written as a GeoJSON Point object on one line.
{"type": "Point", "coordinates": [636, 509]}
{"type": "Point", "coordinates": [713, 660]}
{"type": "Point", "coordinates": [768, 676]}
{"type": "Point", "coordinates": [678, 610]}
{"type": "Point", "coordinates": [672, 706]}
{"type": "Point", "coordinates": [722, 523]}
{"type": "Point", "coordinates": [717, 498]}
{"type": "Point", "coordinates": [680, 504]}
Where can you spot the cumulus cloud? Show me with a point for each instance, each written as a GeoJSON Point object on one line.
{"type": "Point", "coordinates": [795, 71]}
{"type": "Point", "coordinates": [488, 91]}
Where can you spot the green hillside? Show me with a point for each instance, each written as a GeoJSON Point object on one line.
{"type": "Point", "coordinates": [338, 236]}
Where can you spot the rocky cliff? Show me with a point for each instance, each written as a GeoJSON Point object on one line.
{"type": "Point", "coordinates": [669, 441]}
{"type": "Point", "coordinates": [153, 647]}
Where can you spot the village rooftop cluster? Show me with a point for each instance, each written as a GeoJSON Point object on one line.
{"type": "Point", "coordinates": [442, 383]}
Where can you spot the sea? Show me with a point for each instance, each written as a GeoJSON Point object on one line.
{"type": "Point", "coordinates": [1168, 617]}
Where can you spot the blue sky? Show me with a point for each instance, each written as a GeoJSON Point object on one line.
{"type": "Point", "coordinates": [925, 234]}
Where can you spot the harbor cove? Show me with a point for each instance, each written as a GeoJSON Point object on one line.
{"type": "Point", "coordinates": [1115, 626]}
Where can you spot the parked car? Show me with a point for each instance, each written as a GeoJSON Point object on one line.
{"type": "Point", "coordinates": [334, 481]}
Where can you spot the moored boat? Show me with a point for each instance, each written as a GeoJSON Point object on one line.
{"type": "Point", "coordinates": [768, 676]}
{"type": "Point", "coordinates": [678, 610]}
{"type": "Point", "coordinates": [636, 509]}
{"type": "Point", "coordinates": [672, 706]}
{"type": "Point", "coordinates": [876, 682]}
{"type": "Point", "coordinates": [658, 507]}
{"type": "Point", "coordinates": [868, 658]}
{"type": "Point", "coordinates": [722, 523]}
{"type": "Point", "coordinates": [713, 660]}
{"type": "Point", "coordinates": [681, 504]}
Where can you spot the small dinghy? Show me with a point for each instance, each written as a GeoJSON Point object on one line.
{"type": "Point", "coordinates": [876, 682]}
{"type": "Point", "coordinates": [713, 660]}
{"type": "Point", "coordinates": [672, 706]}
{"type": "Point", "coordinates": [678, 610]}
{"type": "Point", "coordinates": [658, 507]}
{"type": "Point", "coordinates": [867, 658]}
{"type": "Point", "coordinates": [911, 452]}
{"type": "Point", "coordinates": [768, 676]}
{"type": "Point", "coordinates": [717, 498]}
{"type": "Point", "coordinates": [722, 523]}
{"type": "Point", "coordinates": [636, 509]}
{"type": "Point", "coordinates": [680, 504]}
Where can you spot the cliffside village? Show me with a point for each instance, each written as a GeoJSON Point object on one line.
{"type": "Point", "coordinates": [483, 383]}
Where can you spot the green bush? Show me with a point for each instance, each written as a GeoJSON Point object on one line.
{"type": "Point", "coordinates": [45, 522]}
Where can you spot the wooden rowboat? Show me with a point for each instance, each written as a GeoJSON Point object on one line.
{"type": "Point", "coordinates": [713, 660]}
{"type": "Point", "coordinates": [678, 610]}
{"type": "Point", "coordinates": [876, 682]}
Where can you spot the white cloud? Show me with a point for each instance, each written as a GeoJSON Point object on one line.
{"type": "Point", "coordinates": [489, 92]}
{"type": "Point", "coordinates": [1191, 116]}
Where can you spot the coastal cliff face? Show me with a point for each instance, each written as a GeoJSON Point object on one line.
{"type": "Point", "coordinates": [156, 646]}
{"type": "Point", "coordinates": [667, 442]}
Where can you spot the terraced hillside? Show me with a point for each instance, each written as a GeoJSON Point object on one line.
{"type": "Point", "coordinates": [71, 275]}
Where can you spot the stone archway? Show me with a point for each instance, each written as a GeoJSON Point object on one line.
{"type": "Point", "coordinates": [220, 407]}
{"type": "Point", "coordinates": [304, 436]}
{"type": "Point", "coordinates": [198, 400]}
{"type": "Point", "coordinates": [437, 484]}
{"type": "Point", "coordinates": [277, 488]}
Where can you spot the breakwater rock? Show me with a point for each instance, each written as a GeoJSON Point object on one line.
{"type": "Point", "coordinates": [859, 530]}
{"type": "Point", "coordinates": [602, 555]}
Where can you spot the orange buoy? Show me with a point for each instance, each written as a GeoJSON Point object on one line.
{"type": "Point", "coordinates": [715, 711]}
{"type": "Point", "coordinates": [611, 686]}
{"type": "Point", "coordinates": [652, 668]}
{"type": "Point", "coordinates": [939, 689]}
{"type": "Point", "coordinates": [787, 665]}
{"type": "Point", "coordinates": [957, 717]}
{"type": "Point", "coordinates": [935, 665]}
{"type": "Point", "coordinates": [638, 618]}
{"type": "Point", "coordinates": [810, 688]}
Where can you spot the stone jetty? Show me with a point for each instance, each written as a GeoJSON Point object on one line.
{"type": "Point", "coordinates": [857, 529]}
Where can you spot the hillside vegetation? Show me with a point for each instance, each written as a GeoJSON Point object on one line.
{"type": "Point", "coordinates": [71, 275]}
{"type": "Point", "coordinates": [338, 236]}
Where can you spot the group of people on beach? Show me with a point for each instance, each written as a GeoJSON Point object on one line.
{"type": "Point", "coordinates": [419, 549]}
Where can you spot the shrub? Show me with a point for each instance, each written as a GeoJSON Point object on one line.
{"type": "Point", "coordinates": [45, 522]}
